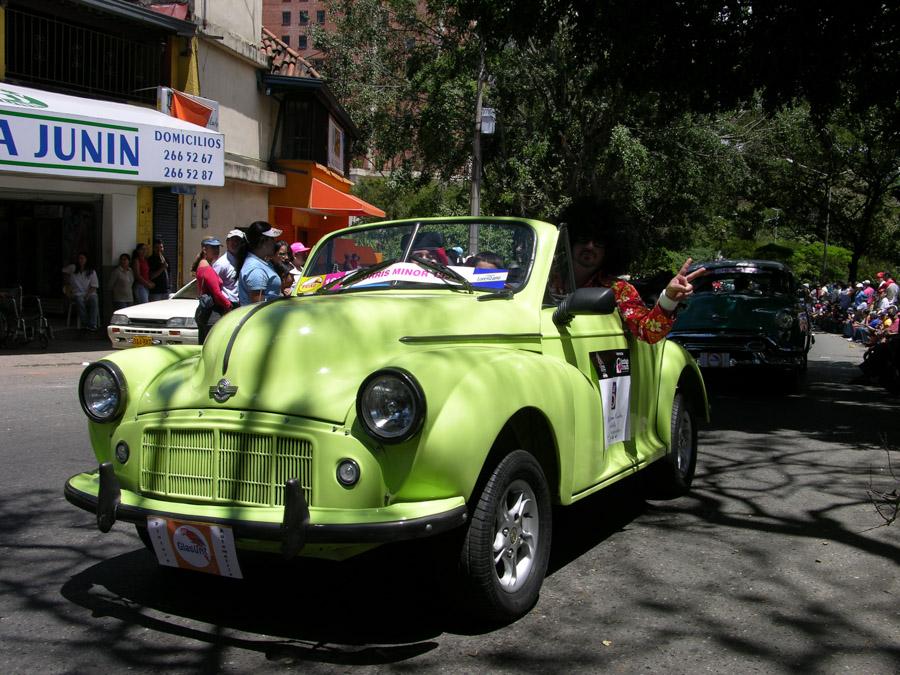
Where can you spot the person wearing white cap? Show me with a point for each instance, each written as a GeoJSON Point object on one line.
{"type": "Point", "coordinates": [227, 266]}
{"type": "Point", "coordinates": [869, 291]}
{"type": "Point", "coordinates": [258, 280]}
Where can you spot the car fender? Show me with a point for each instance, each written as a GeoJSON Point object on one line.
{"type": "Point", "coordinates": [471, 393]}
{"type": "Point", "coordinates": [140, 366]}
{"type": "Point", "coordinates": [678, 370]}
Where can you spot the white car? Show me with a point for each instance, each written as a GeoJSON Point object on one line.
{"type": "Point", "coordinates": [162, 322]}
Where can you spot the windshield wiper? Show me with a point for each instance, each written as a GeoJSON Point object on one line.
{"type": "Point", "coordinates": [444, 270]}
{"type": "Point", "coordinates": [356, 275]}
{"type": "Point", "coordinates": [502, 294]}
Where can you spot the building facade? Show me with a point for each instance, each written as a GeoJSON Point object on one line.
{"type": "Point", "coordinates": [291, 20]}
{"type": "Point", "coordinates": [281, 140]}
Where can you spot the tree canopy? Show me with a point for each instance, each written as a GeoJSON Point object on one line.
{"type": "Point", "coordinates": [711, 123]}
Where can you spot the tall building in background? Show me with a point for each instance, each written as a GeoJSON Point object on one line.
{"type": "Point", "coordinates": [291, 21]}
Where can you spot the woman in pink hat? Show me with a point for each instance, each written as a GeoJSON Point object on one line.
{"type": "Point", "coordinates": [299, 251]}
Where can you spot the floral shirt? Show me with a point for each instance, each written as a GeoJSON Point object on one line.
{"type": "Point", "coordinates": [649, 325]}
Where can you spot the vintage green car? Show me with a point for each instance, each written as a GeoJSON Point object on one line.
{"type": "Point", "coordinates": [401, 394]}
{"type": "Point", "coordinates": [746, 314]}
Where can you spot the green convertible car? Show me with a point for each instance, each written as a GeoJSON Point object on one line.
{"type": "Point", "coordinates": [400, 394]}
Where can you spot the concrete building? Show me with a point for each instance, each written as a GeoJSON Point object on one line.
{"type": "Point", "coordinates": [276, 142]}
{"type": "Point", "coordinates": [290, 21]}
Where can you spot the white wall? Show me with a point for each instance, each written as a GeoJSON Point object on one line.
{"type": "Point", "coordinates": [231, 206]}
{"type": "Point", "coordinates": [235, 16]}
{"type": "Point", "coordinates": [246, 115]}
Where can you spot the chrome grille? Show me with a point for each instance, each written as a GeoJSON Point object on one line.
{"type": "Point", "coordinates": [224, 466]}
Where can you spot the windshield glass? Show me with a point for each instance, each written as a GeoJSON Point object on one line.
{"type": "Point", "coordinates": [742, 281]}
{"type": "Point", "coordinates": [188, 291]}
{"type": "Point", "coordinates": [487, 256]}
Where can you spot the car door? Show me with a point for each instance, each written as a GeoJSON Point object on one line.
{"type": "Point", "coordinates": [607, 407]}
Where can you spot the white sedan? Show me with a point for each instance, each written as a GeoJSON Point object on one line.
{"type": "Point", "coordinates": [163, 322]}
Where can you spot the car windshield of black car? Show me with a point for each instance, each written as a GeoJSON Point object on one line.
{"type": "Point", "coordinates": [743, 281]}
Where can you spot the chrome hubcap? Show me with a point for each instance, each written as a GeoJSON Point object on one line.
{"type": "Point", "coordinates": [684, 444]}
{"type": "Point", "coordinates": [516, 533]}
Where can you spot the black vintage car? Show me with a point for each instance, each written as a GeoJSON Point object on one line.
{"type": "Point", "coordinates": [745, 314]}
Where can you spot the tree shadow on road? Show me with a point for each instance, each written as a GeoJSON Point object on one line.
{"type": "Point", "coordinates": [736, 563]}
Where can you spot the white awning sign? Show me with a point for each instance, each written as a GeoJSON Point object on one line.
{"type": "Point", "coordinates": [55, 134]}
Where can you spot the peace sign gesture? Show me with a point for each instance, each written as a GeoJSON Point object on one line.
{"type": "Point", "coordinates": [680, 287]}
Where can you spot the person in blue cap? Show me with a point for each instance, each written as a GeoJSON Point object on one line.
{"type": "Point", "coordinates": [213, 303]}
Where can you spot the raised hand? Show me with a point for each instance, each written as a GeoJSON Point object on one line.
{"type": "Point", "coordinates": [680, 287]}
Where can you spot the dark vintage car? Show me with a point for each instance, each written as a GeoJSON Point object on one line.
{"type": "Point", "coordinates": [745, 313]}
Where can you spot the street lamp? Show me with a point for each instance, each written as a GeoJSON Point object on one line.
{"type": "Point", "coordinates": [484, 124]}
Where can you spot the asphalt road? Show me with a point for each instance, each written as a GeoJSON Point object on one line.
{"type": "Point", "coordinates": [775, 563]}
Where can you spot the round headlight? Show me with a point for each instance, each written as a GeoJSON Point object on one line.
{"type": "Point", "coordinates": [123, 452]}
{"type": "Point", "coordinates": [102, 391]}
{"type": "Point", "coordinates": [347, 472]}
{"type": "Point", "coordinates": [784, 319]}
{"type": "Point", "coordinates": [391, 405]}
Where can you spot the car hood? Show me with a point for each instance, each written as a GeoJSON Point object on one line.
{"type": "Point", "coordinates": [308, 356]}
{"type": "Point", "coordinates": [724, 313]}
{"type": "Point", "coordinates": [160, 309]}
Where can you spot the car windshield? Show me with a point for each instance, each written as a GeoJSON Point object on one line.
{"type": "Point", "coordinates": [743, 281]}
{"type": "Point", "coordinates": [187, 292]}
{"type": "Point", "coordinates": [459, 255]}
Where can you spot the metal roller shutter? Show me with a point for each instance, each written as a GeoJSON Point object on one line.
{"type": "Point", "coordinates": [165, 227]}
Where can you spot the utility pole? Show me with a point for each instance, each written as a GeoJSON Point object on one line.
{"type": "Point", "coordinates": [475, 199]}
{"type": "Point", "coordinates": [827, 221]}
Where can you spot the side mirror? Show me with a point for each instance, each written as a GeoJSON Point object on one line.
{"type": "Point", "coordinates": [584, 301]}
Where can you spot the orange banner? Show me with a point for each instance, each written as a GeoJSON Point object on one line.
{"type": "Point", "coordinates": [189, 110]}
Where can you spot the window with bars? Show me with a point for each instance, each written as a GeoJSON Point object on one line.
{"type": "Point", "coordinates": [46, 50]}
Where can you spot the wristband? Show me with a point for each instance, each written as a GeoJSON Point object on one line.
{"type": "Point", "coordinates": [667, 303]}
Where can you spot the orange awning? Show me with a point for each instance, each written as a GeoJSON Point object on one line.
{"type": "Point", "coordinates": [325, 199]}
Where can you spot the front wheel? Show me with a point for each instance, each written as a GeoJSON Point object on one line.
{"type": "Point", "coordinates": [671, 476]}
{"type": "Point", "coordinates": [507, 543]}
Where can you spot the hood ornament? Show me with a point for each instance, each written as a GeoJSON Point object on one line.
{"type": "Point", "coordinates": [223, 391]}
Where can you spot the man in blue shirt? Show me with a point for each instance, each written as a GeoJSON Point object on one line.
{"type": "Point", "coordinates": [258, 280]}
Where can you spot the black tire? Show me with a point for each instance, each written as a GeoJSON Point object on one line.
{"type": "Point", "coordinates": [505, 590]}
{"type": "Point", "coordinates": [671, 476]}
{"type": "Point", "coordinates": [145, 538]}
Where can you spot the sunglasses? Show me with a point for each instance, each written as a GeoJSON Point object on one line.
{"type": "Point", "coordinates": [587, 238]}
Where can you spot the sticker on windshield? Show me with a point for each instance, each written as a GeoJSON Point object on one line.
{"type": "Point", "coordinates": [613, 368]}
{"type": "Point", "coordinates": [409, 272]}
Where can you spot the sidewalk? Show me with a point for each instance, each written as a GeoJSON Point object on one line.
{"type": "Point", "coordinates": [72, 343]}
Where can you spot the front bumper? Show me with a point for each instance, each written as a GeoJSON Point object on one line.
{"type": "Point", "coordinates": [124, 337]}
{"type": "Point", "coordinates": [293, 526]}
{"type": "Point", "coordinates": [733, 350]}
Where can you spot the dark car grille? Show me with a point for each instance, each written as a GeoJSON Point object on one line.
{"type": "Point", "coordinates": [224, 466]}
{"type": "Point", "coordinates": [154, 323]}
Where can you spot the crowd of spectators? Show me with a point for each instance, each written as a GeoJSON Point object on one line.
{"type": "Point", "coordinates": [866, 313]}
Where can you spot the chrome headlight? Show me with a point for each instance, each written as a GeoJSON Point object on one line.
{"type": "Point", "coordinates": [119, 320]}
{"type": "Point", "coordinates": [391, 406]}
{"type": "Point", "coordinates": [783, 319]}
{"type": "Point", "coordinates": [101, 391]}
{"type": "Point", "coordinates": [177, 322]}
